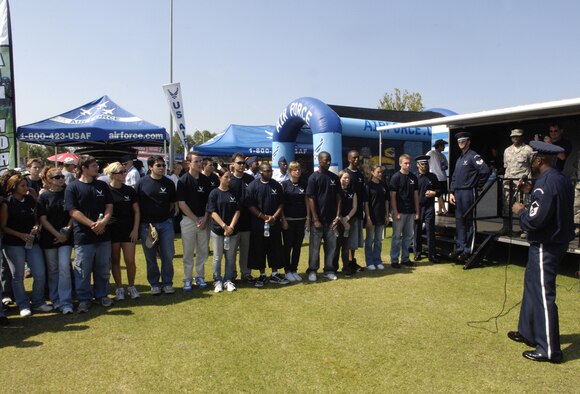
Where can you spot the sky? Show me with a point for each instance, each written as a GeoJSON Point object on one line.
{"type": "Point", "coordinates": [242, 62]}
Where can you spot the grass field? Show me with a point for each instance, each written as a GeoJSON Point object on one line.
{"type": "Point", "coordinates": [408, 330]}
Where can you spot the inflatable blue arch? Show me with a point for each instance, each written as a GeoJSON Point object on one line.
{"type": "Point", "coordinates": [327, 131]}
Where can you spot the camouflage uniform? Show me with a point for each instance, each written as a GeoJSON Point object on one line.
{"type": "Point", "coordinates": [517, 164]}
{"type": "Point", "coordinates": [577, 195]}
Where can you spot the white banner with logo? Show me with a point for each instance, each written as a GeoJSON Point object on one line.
{"type": "Point", "coordinates": [173, 94]}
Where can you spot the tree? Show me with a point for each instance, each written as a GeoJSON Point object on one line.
{"type": "Point", "coordinates": [198, 138]}
{"type": "Point", "coordinates": [402, 101]}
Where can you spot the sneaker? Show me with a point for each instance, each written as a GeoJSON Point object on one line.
{"type": "Point", "coordinates": [200, 283]}
{"type": "Point", "coordinates": [261, 281]}
{"type": "Point", "coordinates": [67, 310]}
{"type": "Point", "coordinates": [230, 286]}
{"type": "Point", "coordinates": [25, 312]}
{"type": "Point", "coordinates": [106, 302]}
{"type": "Point", "coordinates": [330, 276]}
{"type": "Point", "coordinates": [133, 292]}
{"type": "Point", "coordinates": [289, 277]}
{"type": "Point", "coordinates": [371, 267]}
{"type": "Point", "coordinates": [380, 267]}
{"type": "Point", "coordinates": [297, 278]}
{"type": "Point", "coordinates": [84, 307]}
{"type": "Point", "coordinates": [187, 285]}
{"type": "Point", "coordinates": [278, 279]}
{"type": "Point", "coordinates": [43, 308]}
{"type": "Point", "coordinates": [168, 289]}
{"type": "Point", "coordinates": [6, 301]}
{"type": "Point", "coordinates": [249, 279]}
{"type": "Point", "coordinates": [218, 286]}
{"type": "Point", "coordinates": [312, 276]}
{"type": "Point", "coordinates": [120, 294]}
{"type": "Point", "coordinates": [155, 290]}
{"type": "Point", "coordinates": [347, 273]}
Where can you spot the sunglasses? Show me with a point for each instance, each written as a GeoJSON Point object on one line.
{"type": "Point", "coordinates": [160, 165]}
{"type": "Point", "coordinates": [119, 172]}
{"type": "Point", "coordinates": [240, 162]}
{"type": "Point", "coordinates": [57, 177]}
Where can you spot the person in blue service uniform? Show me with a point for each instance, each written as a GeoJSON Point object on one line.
{"type": "Point", "coordinates": [470, 173]}
{"type": "Point", "coordinates": [549, 223]}
{"type": "Point", "coordinates": [429, 188]}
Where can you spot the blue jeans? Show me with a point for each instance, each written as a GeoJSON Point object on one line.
{"type": "Point", "coordinates": [217, 242]}
{"type": "Point", "coordinates": [17, 257]}
{"type": "Point", "coordinates": [402, 231]}
{"type": "Point", "coordinates": [58, 263]}
{"type": "Point", "coordinates": [316, 236]}
{"type": "Point", "coordinates": [374, 245]}
{"type": "Point", "coordinates": [92, 259]}
{"type": "Point", "coordinates": [166, 251]}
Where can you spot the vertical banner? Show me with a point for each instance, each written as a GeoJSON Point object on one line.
{"type": "Point", "coordinates": [8, 146]}
{"type": "Point", "coordinates": [173, 94]}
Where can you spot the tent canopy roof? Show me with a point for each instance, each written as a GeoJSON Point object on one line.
{"type": "Point", "coordinates": [100, 122]}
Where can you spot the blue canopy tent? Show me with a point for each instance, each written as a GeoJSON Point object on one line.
{"type": "Point", "coordinates": [100, 123]}
{"type": "Point", "coordinates": [251, 141]}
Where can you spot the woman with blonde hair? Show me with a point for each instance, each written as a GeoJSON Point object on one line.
{"type": "Point", "coordinates": [124, 229]}
{"type": "Point", "coordinates": [55, 239]}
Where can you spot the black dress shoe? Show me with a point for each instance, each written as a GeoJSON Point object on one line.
{"type": "Point", "coordinates": [453, 255]}
{"type": "Point", "coordinates": [463, 256]}
{"type": "Point", "coordinates": [395, 265]}
{"type": "Point", "coordinates": [417, 257]}
{"type": "Point", "coordinates": [408, 263]}
{"type": "Point", "coordinates": [434, 259]}
{"type": "Point", "coordinates": [535, 356]}
{"type": "Point", "coordinates": [516, 336]}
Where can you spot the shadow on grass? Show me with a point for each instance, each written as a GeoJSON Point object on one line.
{"type": "Point", "coordinates": [20, 330]}
{"type": "Point", "coordinates": [571, 351]}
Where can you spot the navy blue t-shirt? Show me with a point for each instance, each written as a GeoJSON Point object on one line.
{"type": "Point", "coordinates": [194, 192]}
{"type": "Point", "coordinates": [404, 185]}
{"type": "Point", "coordinates": [266, 197]}
{"type": "Point", "coordinates": [91, 200]}
{"type": "Point", "coordinates": [357, 181]}
{"type": "Point", "coordinates": [294, 199]}
{"type": "Point", "coordinates": [324, 187]}
{"type": "Point", "coordinates": [123, 200]}
{"type": "Point", "coordinates": [238, 188]}
{"type": "Point", "coordinates": [377, 194]}
{"type": "Point", "coordinates": [225, 204]}
{"type": "Point", "coordinates": [51, 205]}
{"type": "Point", "coordinates": [347, 197]}
{"type": "Point", "coordinates": [155, 197]}
{"type": "Point", "coordinates": [214, 181]}
{"type": "Point", "coordinates": [21, 218]}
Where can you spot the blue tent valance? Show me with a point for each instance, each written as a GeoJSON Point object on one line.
{"type": "Point", "coordinates": [100, 122]}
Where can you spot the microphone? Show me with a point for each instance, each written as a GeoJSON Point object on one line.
{"type": "Point", "coordinates": [521, 182]}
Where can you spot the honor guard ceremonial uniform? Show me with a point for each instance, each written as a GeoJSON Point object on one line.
{"type": "Point", "coordinates": [428, 186]}
{"type": "Point", "coordinates": [470, 172]}
{"type": "Point", "coordinates": [549, 223]}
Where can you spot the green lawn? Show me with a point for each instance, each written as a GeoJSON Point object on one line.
{"type": "Point", "coordinates": [408, 330]}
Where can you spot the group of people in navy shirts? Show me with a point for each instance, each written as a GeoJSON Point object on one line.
{"type": "Point", "coordinates": [258, 219]}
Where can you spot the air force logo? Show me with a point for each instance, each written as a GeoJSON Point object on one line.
{"type": "Point", "coordinates": [300, 191]}
{"type": "Point", "coordinates": [332, 182]}
{"type": "Point", "coordinates": [534, 208]}
{"type": "Point", "coordinates": [162, 190]}
{"type": "Point", "coordinates": [127, 198]}
{"type": "Point", "coordinates": [232, 199]}
{"type": "Point", "coordinates": [274, 192]}
{"type": "Point", "coordinates": [99, 193]}
{"type": "Point", "coordinates": [464, 162]}
{"type": "Point", "coordinates": [200, 189]}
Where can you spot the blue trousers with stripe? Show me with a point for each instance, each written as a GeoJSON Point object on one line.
{"type": "Point", "coordinates": [465, 227]}
{"type": "Point", "coordinates": [539, 314]}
